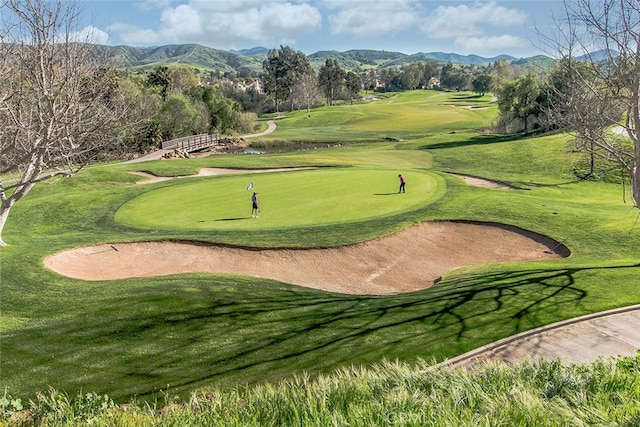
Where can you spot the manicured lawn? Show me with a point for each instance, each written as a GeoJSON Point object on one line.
{"type": "Point", "coordinates": [138, 337]}
{"type": "Point", "coordinates": [413, 115]}
{"type": "Point", "coordinates": [287, 199]}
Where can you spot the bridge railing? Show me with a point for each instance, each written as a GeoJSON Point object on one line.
{"type": "Point", "coordinates": [191, 143]}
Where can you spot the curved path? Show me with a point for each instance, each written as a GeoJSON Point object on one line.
{"type": "Point", "coordinates": [582, 339]}
{"type": "Point", "coordinates": [271, 127]}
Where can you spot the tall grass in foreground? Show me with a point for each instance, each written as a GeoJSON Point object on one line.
{"type": "Point", "coordinates": [605, 392]}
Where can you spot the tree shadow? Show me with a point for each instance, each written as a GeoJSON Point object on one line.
{"type": "Point", "coordinates": [474, 97]}
{"type": "Point", "coordinates": [548, 185]}
{"type": "Point", "coordinates": [201, 330]}
{"type": "Point", "coordinates": [473, 141]}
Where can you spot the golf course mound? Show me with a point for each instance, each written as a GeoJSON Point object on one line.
{"type": "Point", "coordinates": [412, 259]}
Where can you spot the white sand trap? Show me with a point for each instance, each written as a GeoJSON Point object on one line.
{"type": "Point", "coordinates": [407, 261]}
{"type": "Point", "coordinates": [482, 182]}
{"type": "Point", "coordinates": [150, 178]}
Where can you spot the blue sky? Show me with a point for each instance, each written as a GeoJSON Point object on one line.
{"type": "Point", "coordinates": [485, 28]}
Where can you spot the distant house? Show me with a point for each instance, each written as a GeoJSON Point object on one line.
{"type": "Point", "coordinates": [241, 85]}
{"type": "Point", "coordinates": [256, 85]}
{"type": "Point", "coordinates": [434, 82]}
{"type": "Point", "coordinates": [378, 84]}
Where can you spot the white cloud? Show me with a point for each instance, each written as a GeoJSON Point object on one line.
{"type": "Point", "coordinates": [470, 20]}
{"type": "Point", "coordinates": [90, 34]}
{"type": "Point", "coordinates": [179, 22]}
{"type": "Point", "coordinates": [227, 24]}
{"type": "Point", "coordinates": [371, 18]}
{"type": "Point", "coordinates": [273, 20]}
{"type": "Point", "coordinates": [230, 7]}
{"type": "Point", "coordinates": [489, 44]}
{"type": "Point", "coordinates": [152, 4]}
{"type": "Point", "coordinates": [132, 35]}
{"type": "Point", "coordinates": [473, 25]}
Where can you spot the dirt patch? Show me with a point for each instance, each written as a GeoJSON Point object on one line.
{"type": "Point", "coordinates": [486, 183]}
{"type": "Point", "coordinates": [407, 261]}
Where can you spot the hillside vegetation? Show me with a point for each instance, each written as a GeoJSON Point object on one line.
{"type": "Point", "coordinates": [211, 59]}
{"type": "Point", "coordinates": [198, 56]}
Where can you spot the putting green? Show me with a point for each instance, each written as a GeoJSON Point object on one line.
{"type": "Point", "coordinates": [287, 199]}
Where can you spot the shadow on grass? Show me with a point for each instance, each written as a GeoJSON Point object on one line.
{"type": "Point", "coordinates": [475, 140]}
{"type": "Point", "coordinates": [543, 185]}
{"type": "Point", "coordinates": [188, 332]}
{"type": "Point", "coordinates": [467, 98]}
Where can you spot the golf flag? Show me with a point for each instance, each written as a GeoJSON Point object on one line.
{"type": "Point", "coordinates": [250, 186]}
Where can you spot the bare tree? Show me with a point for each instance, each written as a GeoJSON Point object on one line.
{"type": "Point", "coordinates": [307, 92]}
{"type": "Point", "coordinates": [57, 104]}
{"type": "Point", "coordinates": [599, 47]}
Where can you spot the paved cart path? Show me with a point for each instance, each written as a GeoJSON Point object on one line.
{"type": "Point", "coordinates": [583, 339]}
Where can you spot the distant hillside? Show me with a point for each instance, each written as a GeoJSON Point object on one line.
{"type": "Point", "coordinates": [597, 56]}
{"type": "Point", "coordinates": [210, 59]}
{"type": "Point", "coordinates": [254, 51]}
{"type": "Point", "coordinates": [202, 57]}
{"type": "Point", "coordinates": [356, 58]}
{"type": "Point", "coordinates": [539, 62]}
{"type": "Point", "coordinates": [461, 59]}
{"type": "Point", "coordinates": [447, 57]}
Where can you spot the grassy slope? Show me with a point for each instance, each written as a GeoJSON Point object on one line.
{"type": "Point", "coordinates": [388, 393]}
{"type": "Point", "coordinates": [139, 336]}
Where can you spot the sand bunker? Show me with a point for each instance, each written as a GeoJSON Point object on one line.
{"type": "Point", "coordinates": [150, 179]}
{"type": "Point", "coordinates": [409, 260]}
{"type": "Point", "coordinates": [483, 182]}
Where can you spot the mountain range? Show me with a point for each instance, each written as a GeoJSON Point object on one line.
{"type": "Point", "coordinates": [211, 59]}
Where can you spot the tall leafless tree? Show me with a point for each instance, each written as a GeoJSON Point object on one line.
{"type": "Point", "coordinates": [58, 105]}
{"type": "Point", "coordinates": [599, 47]}
{"type": "Point", "coordinates": [306, 92]}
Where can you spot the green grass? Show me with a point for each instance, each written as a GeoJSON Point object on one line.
{"type": "Point", "coordinates": [407, 116]}
{"type": "Point", "coordinates": [291, 199]}
{"type": "Point", "coordinates": [140, 337]}
{"type": "Point", "coordinates": [528, 394]}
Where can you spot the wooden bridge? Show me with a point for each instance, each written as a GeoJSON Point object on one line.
{"type": "Point", "coordinates": [192, 143]}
